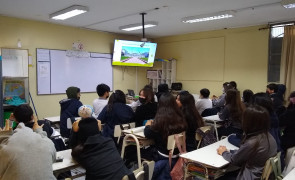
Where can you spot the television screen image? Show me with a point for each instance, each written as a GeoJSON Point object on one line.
{"type": "Point", "coordinates": [134, 53]}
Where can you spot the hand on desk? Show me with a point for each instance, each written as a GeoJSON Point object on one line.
{"type": "Point", "coordinates": [221, 149]}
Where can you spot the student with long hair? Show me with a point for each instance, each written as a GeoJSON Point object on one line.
{"type": "Point", "coordinates": [96, 153]}
{"type": "Point", "coordinates": [256, 148]}
{"type": "Point", "coordinates": [232, 114]}
{"type": "Point", "coordinates": [148, 108]}
{"type": "Point", "coordinates": [264, 100]}
{"type": "Point", "coordinates": [186, 102]}
{"type": "Point", "coordinates": [168, 121]}
{"type": "Point", "coordinates": [287, 121]}
{"type": "Point", "coordinates": [115, 112]}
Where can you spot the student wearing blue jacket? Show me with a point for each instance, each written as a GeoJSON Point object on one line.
{"type": "Point", "coordinates": [69, 109]}
{"type": "Point", "coordinates": [115, 112]}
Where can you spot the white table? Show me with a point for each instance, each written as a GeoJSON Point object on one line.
{"type": "Point", "coordinates": [290, 175]}
{"type": "Point", "coordinates": [67, 164]}
{"type": "Point", "coordinates": [208, 155]}
{"type": "Point", "coordinates": [214, 119]}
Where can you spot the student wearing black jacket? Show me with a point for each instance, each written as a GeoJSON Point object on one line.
{"type": "Point", "coordinates": [96, 153]}
{"type": "Point", "coordinates": [287, 121]}
{"type": "Point", "coordinates": [148, 108]}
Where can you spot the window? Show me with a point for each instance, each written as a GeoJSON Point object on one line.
{"type": "Point", "coordinates": [275, 49]}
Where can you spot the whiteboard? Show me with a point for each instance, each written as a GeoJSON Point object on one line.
{"type": "Point", "coordinates": [56, 71]}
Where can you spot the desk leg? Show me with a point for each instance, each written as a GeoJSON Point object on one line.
{"type": "Point", "coordinates": [137, 148]}
{"type": "Point", "coordinates": [216, 132]}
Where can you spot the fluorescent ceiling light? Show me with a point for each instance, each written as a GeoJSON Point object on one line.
{"type": "Point", "coordinates": [288, 3]}
{"type": "Point", "coordinates": [137, 26]}
{"type": "Point", "coordinates": [208, 17]}
{"type": "Point", "coordinates": [69, 12]}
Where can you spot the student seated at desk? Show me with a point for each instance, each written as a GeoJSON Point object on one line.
{"type": "Point", "coordinates": [162, 88]}
{"type": "Point", "coordinates": [148, 108]}
{"type": "Point", "coordinates": [186, 103]}
{"type": "Point", "coordinates": [24, 113]}
{"type": "Point", "coordinates": [96, 153]}
{"type": "Point", "coordinates": [232, 114]}
{"type": "Point", "coordinates": [256, 148]}
{"type": "Point", "coordinates": [287, 122]}
{"type": "Point", "coordinates": [219, 102]}
{"type": "Point", "coordinates": [116, 112]}
{"type": "Point", "coordinates": [168, 121]}
{"type": "Point", "coordinates": [203, 102]}
{"type": "Point", "coordinates": [26, 153]}
{"type": "Point", "coordinates": [69, 109]}
{"type": "Point", "coordinates": [103, 91]}
{"type": "Point", "coordinates": [264, 100]}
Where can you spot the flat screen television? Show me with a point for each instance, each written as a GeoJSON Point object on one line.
{"type": "Point", "coordinates": [134, 53]}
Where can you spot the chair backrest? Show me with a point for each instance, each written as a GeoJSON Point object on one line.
{"type": "Point", "coordinates": [141, 173]}
{"type": "Point", "coordinates": [289, 154]}
{"type": "Point", "coordinates": [273, 164]}
{"type": "Point", "coordinates": [290, 161]}
{"type": "Point", "coordinates": [206, 136]}
{"type": "Point", "coordinates": [171, 141]}
{"type": "Point", "coordinates": [200, 133]}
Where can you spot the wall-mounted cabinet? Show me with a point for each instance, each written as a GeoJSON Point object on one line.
{"type": "Point", "coordinates": [14, 79]}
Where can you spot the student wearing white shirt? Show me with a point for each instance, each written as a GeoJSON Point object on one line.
{"type": "Point", "coordinates": [203, 102]}
{"type": "Point", "coordinates": [103, 92]}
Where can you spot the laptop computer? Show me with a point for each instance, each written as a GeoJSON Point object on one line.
{"type": "Point", "coordinates": [131, 92]}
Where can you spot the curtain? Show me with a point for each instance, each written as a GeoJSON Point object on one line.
{"type": "Point", "coordinates": [287, 73]}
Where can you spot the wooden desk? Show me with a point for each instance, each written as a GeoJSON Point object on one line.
{"type": "Point", "coordinates": [214, 119]}
{"type": "Point", "coordinates": [290, 175]}
{"type": "Point", "coordinates": [208, 155]}
{"type": "Point", "coordinates": [67, 164]}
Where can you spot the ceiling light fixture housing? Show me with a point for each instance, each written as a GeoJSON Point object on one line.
{"type": "Point", "coordinates": [69, 12]}
{"type": "Point", "coordinates": [133, 27]}
{"type": "Point", "coordinates": [209, 17]}
{"type": "Point", "coordinates": [288, 3]}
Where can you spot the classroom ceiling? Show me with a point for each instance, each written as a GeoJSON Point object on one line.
{"type": "Point", "coordinates": [109, 15]}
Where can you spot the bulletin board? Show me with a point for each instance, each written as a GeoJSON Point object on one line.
{"type": "Point", "coordinates": [56, 71]}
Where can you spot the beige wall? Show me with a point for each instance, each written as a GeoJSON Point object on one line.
{"type": "Point", "coordinates": [205, 59]}
{"type": "Point", "coordinates": [208, 59]}
{"type": "Point", "coordinates": [44, 35]}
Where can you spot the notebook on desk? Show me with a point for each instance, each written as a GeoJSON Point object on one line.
{"type": "Point", "coordinates": [131, 92]}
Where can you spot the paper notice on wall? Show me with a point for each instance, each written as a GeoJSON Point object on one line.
{"type": "Point", "coordinates": [44, 70]}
